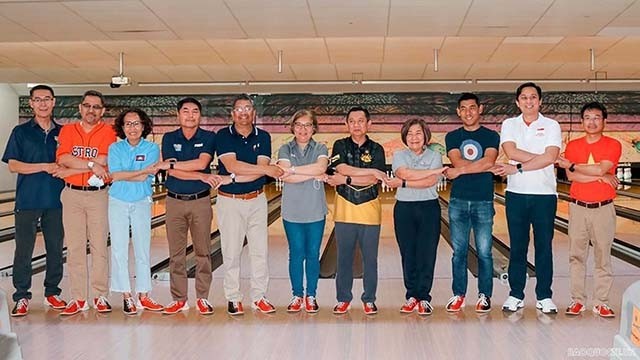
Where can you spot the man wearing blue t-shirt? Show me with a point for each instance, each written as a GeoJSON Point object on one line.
{"type": "Point", "coordinates": [473, 150]}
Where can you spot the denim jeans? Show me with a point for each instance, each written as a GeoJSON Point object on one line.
{"type": "Point", "coordinates": [26, 222]}
{"type": "Point", "coordinates": [523, 212]}
{"type": "Point", "coordinates": [138, 215]}
{"type": "Point", "coordinates": [464, 216]}
{"type": "Point", "coordinates": [304, 254]}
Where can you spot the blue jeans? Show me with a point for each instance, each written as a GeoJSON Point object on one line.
{"type": "Point", "coordinates": [463, 216]}
{"type": "Point", "coordinates": [138, 215]}
{"type": "Point", "coordinates": [304, 254]}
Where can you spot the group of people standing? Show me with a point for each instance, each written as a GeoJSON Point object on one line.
{"type": "Point", "coordinates": [64, 175]}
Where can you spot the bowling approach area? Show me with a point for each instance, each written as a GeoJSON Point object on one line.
{"type": "Point", "coordinates": [526, 334]}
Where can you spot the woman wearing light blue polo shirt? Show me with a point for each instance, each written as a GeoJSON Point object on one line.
{"type": "Point", "coordinates": [304, 207]}
{"type": "Point", "coordinates": [131, 163]}
{"type": "Point", "coordinates": [416, 215]}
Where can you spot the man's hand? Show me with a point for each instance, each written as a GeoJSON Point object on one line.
{"type": "Point", "coordinates": [563, 162]}
{"type": "Point", "coordinates": [274, 171]}
{"type": "Point", "coordinates": [336, 179]}
{"type": "Point", "coordinates": [62, 172]}
{"type": "Point", "coordinates": [100, 171]}
{"type": "Point", "coordinates": [212, 180]}
{"type": "Point", "coordinates": [610, 180]}
{"type": "Point", "coordinates": [504, 169]}
{"type": "Point", "coordinates": [394, 182]}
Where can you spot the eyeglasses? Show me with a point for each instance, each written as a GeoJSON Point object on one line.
{"type": "Point", "coordinates": [242, 109]}
{"type": "Point", "coordinates": [132, 124]}
{"type": "Point", "coordinates": [298, 125]}
{"type": "Point", "coordinates": [38, 100]}
{"type": "Point", "coordinates": [94, 107]}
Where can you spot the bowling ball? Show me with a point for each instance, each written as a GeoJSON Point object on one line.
{"type": "Point", "coordinates": [636, 145]}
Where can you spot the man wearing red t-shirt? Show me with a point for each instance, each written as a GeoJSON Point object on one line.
{"type": "Point", "coordinates": [591, 162]}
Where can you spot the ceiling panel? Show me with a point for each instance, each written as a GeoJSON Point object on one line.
{"type": "Point", "coordinates": [196, 19]}
{"type": "Point", "coordinates": [300, 51]}
{"type": "Point", "coordinates": [446, 71]}
{"type": "Point", "coordinates": [261, 72]}
{"type": "Point", "coordinates": [350, 18]}
{"type": "Point", "coordinates": [184, 73]}
{"type": "Point", "coordinates": [51, 21]}
{"type": "Point", "coordinates": [188, 51]}
{"type": "Point", "coordinates": [523, 49]}
{"type": "Point", "coordinates": [401, 71]}
{"type": "Point", "coordinates": [619, 71]}
{"type": "Point", "coordinates": [490, 70]}
{"type": "Point", "coordinates": [367, 71]}
{"type": "Point", "coordinates": [539, 70]}
{"type": "Point", "coordinates": [252, 51]}
{"type": "Point", "coordinates": [12, 31]}
{"type": "Point", "coordinates": [427, 18]}
{"type": "Point", "coordinates": [146, 74]}
{"type": "Point", "coordinates": [576, 49]}
{"type": "Point", "coordinates": [265, 19]}
{"type": "Point", "coordinates": [410, 50]}
{"type": "Point", "coordinates": [573, 71]}
{"type": "Point", "coordinates": [314, 71]}
{"type": "Point", "coordinates": [30, 55]}
{"type": "Point", "coordinates": [355, 50]}
{"type": "Point", "coordinates": [226, 72]}
{"type": "Point", "coordinates": [80, 53]}
{"type": "Point", "coordinates": [117, 15]}
{"type": "Point", "coordinates": [14, 75]}
{"type": "Point", "coordinates": [136, 53]}
{"type": "Point", "coordinates": [468, 49]}
{"type": "Point", "coordinates": [626, 50]}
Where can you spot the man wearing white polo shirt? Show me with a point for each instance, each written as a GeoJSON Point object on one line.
{"type": "Point", "coordinates": [532, 143]}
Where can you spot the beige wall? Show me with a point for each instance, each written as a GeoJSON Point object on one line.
{"type": "Point", "coordinates": [8, 119]}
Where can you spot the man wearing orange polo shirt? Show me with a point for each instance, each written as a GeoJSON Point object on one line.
{"type": "Point", "coordinates": [591, 162]}
{"type": "Point", "coordinates": [82, 151]}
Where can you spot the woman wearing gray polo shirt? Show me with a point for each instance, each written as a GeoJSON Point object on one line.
{"type": "Point", "coordinates": [416, 215]}
{"type": "Point", "coordinates": [304, 207]}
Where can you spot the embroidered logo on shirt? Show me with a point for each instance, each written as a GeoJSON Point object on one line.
{"type": "Point", "coordinates": [540, 131]}
{"type": "Point", "coordinates": [256, 147]}
{"type": "Point", "coordinates": [198, 145]}
{"type": "Point", "coordinates": [84, 152]}
{"type": "Point", "coordinates": [140, 157]}
{"type": "Point", "coordinates": [177, 147]}
{"type": "Point", "coordinates": [366, 157]}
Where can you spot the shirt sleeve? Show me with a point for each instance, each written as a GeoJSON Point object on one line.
{"type": "Point", "coordinates": [12, 150]}
{"type": "Point", "coordinates": [450, 142]}
{"type": "Point", "coordinates": [338, 153]}
{"type": "Point", "coordinates": [614, 151]}
{"type": "Point", "coordinates": [65, 141]}
{"type": "Point", "coordinates": [398, 160]}
{"type": "Point", "coordinates": [168, 152]}
{"type": "Point", "coordinates": [506, 132]}
{"type": "Point", "coordinates": [379, 159]}
{"type": "Point", "coordinates": [265, 145]}
{"type": "Point", "coordinates": [555, 135]}
{"type": "Point", "coordinates": [569, 152]}
{"type": "Point", "coordinates": [210, 146]}
{"type": "Point", "coordinates": [494, 140]}
{"type": "Point", "coordinates": [114, 160]}
{"type": "Point", "coordinates": [322, 151]}
{"type": "Point", "coordinates": [283, 153]}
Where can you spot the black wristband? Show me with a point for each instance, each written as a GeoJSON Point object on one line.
{"type": "Point", "coordinates": [348, 180]}
{"type": "Point", "coordinates": [519, 168]}
{"type": "Point", "coordinates": [404, 183]}
{"type": "Point", "coordinates": [572, 168]}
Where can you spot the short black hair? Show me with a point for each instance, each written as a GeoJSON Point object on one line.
{"type": "Point", "coordinates": [95, 93]}
{"type": "Point", "coordinates": [526, 85]}
{"type": "Point", "coordinates": [594, 105]}
{"type": "Point", "coordinates": [356, 109]}
{"type": "Point", "coordinates": [145, 120]}
{"type": "Point", "coordinates": [468, 96]}
{"type": "Point", "coordinates": [189, 100]}
{"type": "Point", "coordinates": [41, 87]}
{"type": "Point", "coordinates": [241, 97]}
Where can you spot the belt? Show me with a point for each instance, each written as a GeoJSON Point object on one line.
{"type": "Point", "coordinates": [187, 197]}
{"type": "Point", "coordinates": [592, 205]}
{"type": "Point", "coordinates": [245, 196]}
{"type": "Point", "coordinates": [85, 188]}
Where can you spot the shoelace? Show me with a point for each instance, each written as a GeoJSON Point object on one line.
{"type": "Point", "coordinates": [369, 305]}
{"type": "Point", "coordinates": [130, 304]}
{"type": "Point", "coordinates": [206, 303]}
{"type": "Point", "coordinates": [311, 300]}
{"type": "Point", "coordinates": [411, 302]}
{"type": "Point", "coordinates": [483, 300]}
{"type": "Point", "coordinates": [425, 304]}
{"type": "Point", "coordinates": [23, 302]}
{"type": "Point", "coordinates": [149, 300]}
{"type": "Point", "coordinates": [296, 300]}
{"type": "Point", "coordinates": [101, 301]}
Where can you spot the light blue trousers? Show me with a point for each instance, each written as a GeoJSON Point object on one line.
{"type": "Point", "coordinates": [138, 215]}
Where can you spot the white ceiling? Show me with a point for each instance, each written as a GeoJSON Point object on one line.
{"type": "Point", "coordinates": [169, 41]}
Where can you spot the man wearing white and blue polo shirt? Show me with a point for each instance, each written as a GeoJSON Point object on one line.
{"type": "Point", "coordinates": [244, 150]}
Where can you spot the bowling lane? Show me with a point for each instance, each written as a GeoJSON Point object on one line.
{"type": "Point", "coordinates": [621, 200]}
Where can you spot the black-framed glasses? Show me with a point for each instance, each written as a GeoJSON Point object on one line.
{"type": "Point", "coordinates": [132, 124]}
{"type": "Point", "coordinates": [94, 107]}
{"type": "Point", "coordinates": [298, 125]}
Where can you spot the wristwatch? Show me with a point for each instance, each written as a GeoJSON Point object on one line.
{"type": "Point", "coordinates": [348, 180]}
{"type": "Point", "coordinates": [404, 183]}
{"type": "Point", "coordinates": [172, 164]}
{"type": "Point", "coordinates": [233, 178]}
{"type": "Point", "coordinates": [90, 164]}
{"type": "Point", "coordinates": [519, 168]}
{"type": "Point", "coordinates": [572, 168]}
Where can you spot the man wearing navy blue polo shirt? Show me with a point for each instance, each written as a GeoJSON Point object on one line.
{"type": "Point", "coordinates": [244, 150]}
{"type": "Point", "coordinates": [31, 153]}
{"type": "Point", "coordinates": [187, 154]}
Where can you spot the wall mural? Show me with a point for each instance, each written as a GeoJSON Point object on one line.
{"type": "Point", "coordinates": [389, 111]}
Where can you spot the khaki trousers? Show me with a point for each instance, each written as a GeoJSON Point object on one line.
{"type": "Point", "coordinates": [598, 226]}
{"type": "Point", "coordinates": [192, 216]}
{"type": "Point", "coordinates": [236, 219]}
{"type": "Point", "coordinates": [85, 216]}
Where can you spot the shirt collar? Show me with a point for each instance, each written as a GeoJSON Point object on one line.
{"type": "Point", "coordinates": [233, 131]}
{"type": "Point", "coordinates": [293, 144]}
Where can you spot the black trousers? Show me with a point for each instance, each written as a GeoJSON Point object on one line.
{"type": "Point", "coordinates": [417, 227]}
{"type": "Point", "coordinates": [26, 222]}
